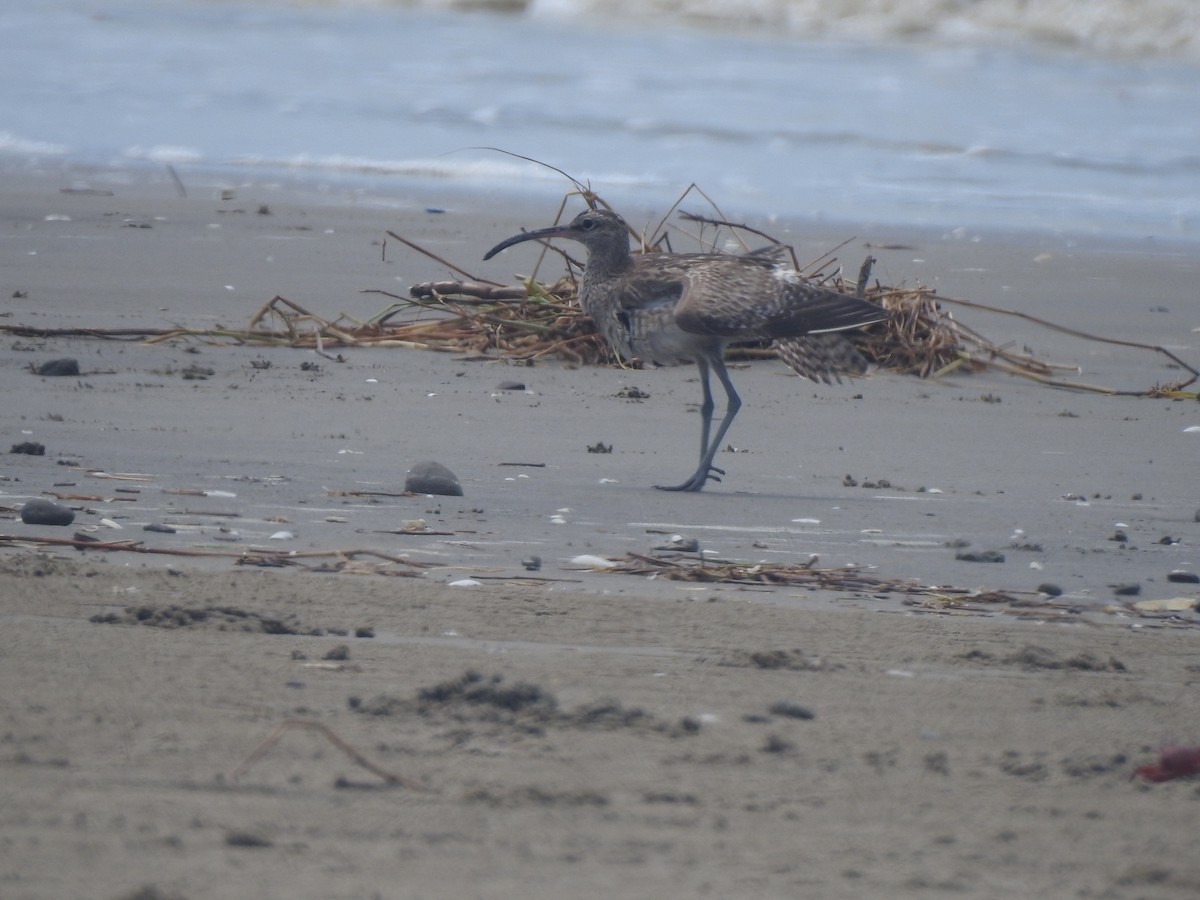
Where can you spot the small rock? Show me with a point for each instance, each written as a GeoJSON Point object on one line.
{"type": "Point", "coordinates": [681, 544]}
{"type": "Point", "coordinates": [1127, 590]}
{"type": "Point", "coordinates": [432, 478]}
{"type": "Point", "coordinates": [29, 448]}
{"type": "Point", "coordinates": [791, 710]}
{"type": "Point", "coordinates": [1050, 590]}
{"type": "Point", "coordinates": [158, 527]}
{"type": "Point", "coordinates": [43, 512]}
{"type": "Point", "coordinates": [59, 367]}
{"type": "Point", "coordinates": [365, 632]}
{"type": "Point", "coordinates": [246, 839]}
{"type": "Point", "coordinates": [981, 556]}
{"type": "Point", "coordinates": [1180, 577]}
{"type": "Point", "coordinates": [1120, 537]}
{"type": "Point", "coordinates": [338, 653]}
{"type": "Point", "coordinates": [511, 386]}
{"type": "Point", "coordinates": [532, 563]}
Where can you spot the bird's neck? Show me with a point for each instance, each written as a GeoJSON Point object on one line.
{"type": "Point", "coordinates": [607, 262]}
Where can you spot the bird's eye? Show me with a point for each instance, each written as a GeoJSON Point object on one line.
{"type": "Point", "coordinates": [587, 224]}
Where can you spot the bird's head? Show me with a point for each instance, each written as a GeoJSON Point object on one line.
{"type": "Point", "coordinates": [601, 231]}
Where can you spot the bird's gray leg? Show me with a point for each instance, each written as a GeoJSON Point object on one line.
{"type": "Point", "coordinates": [706, 407]}
{"type": "Point", "coordinates": [708, 451]}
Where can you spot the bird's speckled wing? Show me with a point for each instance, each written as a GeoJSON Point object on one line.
{"type": "Point", "coordinates": [742, 297]}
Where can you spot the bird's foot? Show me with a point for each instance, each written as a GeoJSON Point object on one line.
{"type": "Point", "coordinates": [700, 478]}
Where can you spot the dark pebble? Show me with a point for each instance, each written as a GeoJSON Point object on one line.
{"type": "Point", "coordinates": [246, 839]}
{"type": "Point", "coordinates": [30, 448]}
{"type": "Point", "coordinates": [511, 386]}
{"type": "Point", "coordinates": [776, 744]}
{"type": "Point", "coordinates": [161, 529]}
{"type": "Point", "coordinates": [791, 710]}
{"type": "Point", "coordinates": [1050, 590]}
{"type": "Point", "coordinates": [59, 367]}
{"type": "Point", "coordinates": [367, 632]}
{"type": "Point", "coordinates": [43, 512]}
{"type": "Point", "coordinates": [1120, 537]}
{"type": "Point", "coordinates": [1184, 577]}
{"type": "Point", "coordinates": [1127, 590]}
{"type": "Point", "coordinates": [432, 478]}
{"type": "Point", "coordinates": [340, 652]}
{"type": "Point", "coordinates": [981, 556]}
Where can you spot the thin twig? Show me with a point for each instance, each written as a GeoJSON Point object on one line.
{"type": "Point", "coordinates": [407, 243]}
{"type": "Point", "coordinates": [309, 725]}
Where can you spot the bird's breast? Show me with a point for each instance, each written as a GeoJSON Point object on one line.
{"type": "Point", "coordinates": [636, 317]}
{"type": "Point", "coordinates": [651, 335]}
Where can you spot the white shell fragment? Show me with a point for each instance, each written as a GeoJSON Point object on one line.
{"type": "Point", "coordinates": [593, 562]}
{"type": "Point", "coordinates": [1170, 604]}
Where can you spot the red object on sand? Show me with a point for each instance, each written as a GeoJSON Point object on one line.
{"type": "Point", "coordinates": [1173, 762]}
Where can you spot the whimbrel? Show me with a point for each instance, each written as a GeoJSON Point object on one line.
{"type": "Point", "coordinates": [668, 308]}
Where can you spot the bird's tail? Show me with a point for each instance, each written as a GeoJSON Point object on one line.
{"type": "Point", "coordinates": [821, 357]}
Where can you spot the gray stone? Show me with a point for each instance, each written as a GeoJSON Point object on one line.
{"type": "Point", "coordinates": [44, 512]}
{"type": "Point", "coordinates": [59, 367]}
{"type": "Point", "coordinates": [432, 478]}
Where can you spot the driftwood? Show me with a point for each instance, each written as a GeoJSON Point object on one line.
{"type": "Point", "coordinates": [802, 575]}
{"type": "Point", "coordinates": [921, 598]}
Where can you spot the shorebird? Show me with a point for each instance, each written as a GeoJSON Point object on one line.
{"type": "Point", "coordinates": [669, 308]}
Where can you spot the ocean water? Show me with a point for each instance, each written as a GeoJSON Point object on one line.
{"type": "Point", "coordinates": [998, 114]}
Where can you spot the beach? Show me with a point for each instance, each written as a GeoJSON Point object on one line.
{"type": "Point", "coordinates": [566, 731]}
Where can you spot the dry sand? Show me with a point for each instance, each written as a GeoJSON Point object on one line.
{"type": "Point", "coordinates": [620, 736]}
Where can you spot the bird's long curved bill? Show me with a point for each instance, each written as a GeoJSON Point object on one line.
{"type": "Point", "coordinates": [540, 234]}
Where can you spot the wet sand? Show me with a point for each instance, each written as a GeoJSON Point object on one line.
{"type": "Point", "coordinates": [648, 738]}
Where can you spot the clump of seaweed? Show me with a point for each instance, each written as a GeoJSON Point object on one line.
{"type": "Point", "coordinates": [921, 336]}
